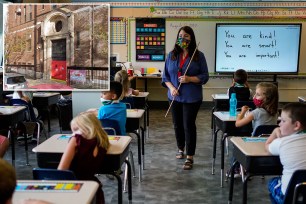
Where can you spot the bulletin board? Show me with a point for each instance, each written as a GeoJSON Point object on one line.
{"type": "Point", "coordinates": [150, 39]}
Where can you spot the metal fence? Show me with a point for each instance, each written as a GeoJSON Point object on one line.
{"type": "Point", "coordinates": [88, 77]}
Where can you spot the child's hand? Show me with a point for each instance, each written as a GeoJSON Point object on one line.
{"type": "Point", "coordinates": [244, 109]}
{"type": "Point", "coordinates": [277, 133]}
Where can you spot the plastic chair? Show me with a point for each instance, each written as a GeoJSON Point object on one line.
{"type": "Point", "coordinates": [298, 177]}
{"type": "Point", "coordinates": [112, 128]}
{"type": "Point", "coordinates": [52, 174]}
{"type": "Point", "coordinates": [299, 195]}
{"type": "Point", "coordinates": [263, 130]}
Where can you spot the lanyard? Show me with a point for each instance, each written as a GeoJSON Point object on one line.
{"type": "Point", "coordinates": [182, 62]}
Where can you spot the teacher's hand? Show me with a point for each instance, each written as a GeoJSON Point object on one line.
{"type": "Point", "coordinates": [174, 91]}
{"type": "Point", "coordinates": [184, 79]}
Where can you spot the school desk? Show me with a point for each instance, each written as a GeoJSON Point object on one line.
{"type": "Point", "coordinates": [302, 99]}
{"type": "Point", "coordinates": [78, 192]}
{"type": "Point", "coordinates": [42, 101]}
{"type": "Point", "coordinates": [133, 122]}
{"type": "Point", "coordinates": [49, 154]}
{"type": "Point", "coordinates": [9, 117]}
{"type": "Point", "coordinates": [250, 152]}
{"type": "Point", "coordinates": [141, 102]}
{"type": "Point", "coordinates": [226, 123]}
{"type": "Point", "coordinates": [221, 103]}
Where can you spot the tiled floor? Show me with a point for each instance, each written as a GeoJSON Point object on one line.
{"type": "Point", "coordinates": [164, 181]}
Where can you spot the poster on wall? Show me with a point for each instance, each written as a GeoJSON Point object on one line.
{"type": "Point", "coordinates": [150, 39]}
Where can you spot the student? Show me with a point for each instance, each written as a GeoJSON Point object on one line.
{"type": "Point", "coordinates": [289, 142]}
{"type": "Point", "coordinates": [4, 145]}
{"type": "Point", "coordinates": [266, 102]}
{"type": "Point", "coordinates": [86, 149]}
{"type": "Point", "coordinates": [7, 182]}
{"type": "Point", "coordinates": [111, 107]}
{"type": "Point", "coordinates": [122, 77]}
{"type": "Point", "coordinates": [23, 95]}
{"type": "Point", "coordinates": [240, 86]}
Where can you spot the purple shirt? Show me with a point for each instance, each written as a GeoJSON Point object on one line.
{"type": "Point", "coordinates": [189, 92]}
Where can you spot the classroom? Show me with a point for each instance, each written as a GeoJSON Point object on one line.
{"type": "Point", "coordinates": [152, 166]}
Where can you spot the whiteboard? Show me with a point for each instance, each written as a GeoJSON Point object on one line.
{"type": "Point", "coordinates": [204, 30]}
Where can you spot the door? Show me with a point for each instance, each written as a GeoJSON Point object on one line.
{"type": "Point", "coordinates": [58, 63]}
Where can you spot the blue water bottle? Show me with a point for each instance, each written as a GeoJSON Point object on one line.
{"type": "Point", "coordinates": [233, 105]}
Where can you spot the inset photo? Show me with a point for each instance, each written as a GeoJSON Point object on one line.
{"type": "Point", "coordinates": [56, 46]}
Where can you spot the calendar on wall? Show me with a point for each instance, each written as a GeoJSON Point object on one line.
{"type": "Point", "coordinates": [150, 39]}
{"type": "Point", "coordinates": [118, 30]}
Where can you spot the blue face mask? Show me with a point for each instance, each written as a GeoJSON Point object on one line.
{"type": "Point", "coordinates": [105, 101]}
{"type": "Point", "coordinates": [183, 43]}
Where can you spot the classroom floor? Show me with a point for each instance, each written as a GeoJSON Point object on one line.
{"type": "Point", "coordinates": [164, 180]}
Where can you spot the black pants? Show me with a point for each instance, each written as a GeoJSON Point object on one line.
{"type": "Point", "coordinates": [184, 116]}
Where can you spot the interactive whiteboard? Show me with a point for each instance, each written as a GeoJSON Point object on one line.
{"type": "Point", "coordinates": [258, 48]}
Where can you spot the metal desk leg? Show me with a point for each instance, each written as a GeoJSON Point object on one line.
{"type": "Point", "coordinates": [222, 157]}
{"type": "Point", "coordinates": [214, 151]}
{"type": "Point", "coordinates": [11, 136]}
{"type": "Point", "coordinates": [142, 147]}
{"type": "Point", "coordinates": [139, 154]}
{"type": "Point", "coordinates": [230, 195]}
{"type": "Point", "coordinates": [212, 122]}
{"type": "Point", "coordinates": [119, 187]}
{"type": "Point", "coordinates": [129, 176]}
{"type": "Point", "coordinates": [245, 189]}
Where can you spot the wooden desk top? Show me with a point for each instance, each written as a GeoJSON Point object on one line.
{"type": "Point", "coordinates": [45, 94]}
{"type": "Point", "coordinates": [148, 77]}
{"type": "Point", "coordinates": [251, 146]}
{"type": "Point", "coordinates": [141, 95]}
{"type": "Point", "coordinates": [10, 110]}
{"type": "Point", "coordinates": [224, 116]}
{"type": "Point", "coordinates": [134, 113]}
{"type": "Point", "coordinates": [85, 194]}
{"type": "Point", "coordinates": [57, 144]}
{"type": "Point", "coordinates": [219, 96]}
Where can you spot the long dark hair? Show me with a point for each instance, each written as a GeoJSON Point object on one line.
{"type": "Point", "coordinates": [191, 47]}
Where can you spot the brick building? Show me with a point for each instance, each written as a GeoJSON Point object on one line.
{"type": "Point", "coordinates": [42, 40]}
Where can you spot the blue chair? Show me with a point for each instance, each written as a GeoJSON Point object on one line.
{"type": "Point", "coordinates": [298, 177]}
{"type": "Point", "coordinates": [264, 130]}
{"type": "Point", "coordinates": [129, 101]}
{"type": "Point", "coordinates": [111, 126]}
{"type": "Point", "coordinates": [52, 174]}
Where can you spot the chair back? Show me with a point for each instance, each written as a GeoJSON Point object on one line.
{"type": "Point", "coordinates": [30, 114]}
{"type": "Point", "coordinates": [52, 174]}
{"type": "Point", "coordinates": [298, 177]}
{"type": "Point", "coordinates": [108, 124]}
{"type": "Point", "coordinates": [250, 104]}
{"type": "Point", "coordinates": [299, 195]}
{"type": "Point", "coordinates": [262, 130]}
{"type": "Point", "coordinates": [129, 101]}
{"type": "Point", "coordinates": [242, 93]}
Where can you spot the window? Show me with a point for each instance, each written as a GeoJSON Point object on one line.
{"type": "Point", "coordinates": [29, 44]}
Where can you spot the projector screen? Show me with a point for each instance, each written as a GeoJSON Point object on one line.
{"type": "Point", "coordinates": [258, 48]}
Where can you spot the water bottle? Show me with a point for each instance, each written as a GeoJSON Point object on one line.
{"type": "Point", "coordinates": [233, 105]}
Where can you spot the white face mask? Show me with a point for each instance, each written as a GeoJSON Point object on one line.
{"type": "Point", "coordinates": [105, 101]}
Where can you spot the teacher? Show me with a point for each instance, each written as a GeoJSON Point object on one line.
{"type": "Point", "coordinates": [188, 99]}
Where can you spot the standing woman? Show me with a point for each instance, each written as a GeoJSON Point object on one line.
{"type": "Point", "coordinates": [188, 99]}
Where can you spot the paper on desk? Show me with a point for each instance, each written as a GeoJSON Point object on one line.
{"type": "Point", "coordinates": [254, 139]}
{"type": "Point", "coordinates": [113, 138]}
{"type": "Point", "coordinates": [64, 137]}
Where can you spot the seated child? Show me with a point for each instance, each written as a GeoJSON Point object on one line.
{"type": "Point", "coordinates": [240, 86]}
{"type": "Point", "coordinates": [111, 107]}
{"type": "Point", "coordinates": [86, 150]}
{"type": "Point", "coordinates": [4, 145]}
{"type": "Point", "coordinates": [122, 77]}
{"type": "Point", "coordinates": [289, 142]}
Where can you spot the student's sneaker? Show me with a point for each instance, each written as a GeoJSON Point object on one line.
{"type": "Point", "coordinates": [236, 173]}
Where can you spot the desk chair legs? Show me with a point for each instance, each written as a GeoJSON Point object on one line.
{"type": "Point", "coordinates": [139, 154]}
{"type": "Point", "coordinates": [222, 158]}
{"type": "Point", "coordinates": [214, 151]}
{"type": "Point", "coordinates": [126, 169]}
{"type": "Point", "coordinates": [120, 183]}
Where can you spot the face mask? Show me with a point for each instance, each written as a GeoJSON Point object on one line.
{"type": "Point", "coordinates": [105, 101]}
{"type": "Point", "coordinates": [182, 42]}
{"type": "Point", "coordinates": [257, 102]}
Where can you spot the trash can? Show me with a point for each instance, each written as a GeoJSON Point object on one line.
{"type": "Point", "coordinates": [65, 112]}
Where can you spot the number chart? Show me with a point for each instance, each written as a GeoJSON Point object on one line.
{"type": "Point", "coordinates": [118, 30]}
{"type": "Point", "coordinates": [150, 39]}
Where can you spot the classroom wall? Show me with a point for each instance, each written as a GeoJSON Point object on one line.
{"type": "Point", "coordinates": [290, 87]}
